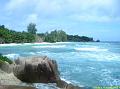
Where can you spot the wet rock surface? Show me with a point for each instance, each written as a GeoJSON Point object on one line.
{"type": "Point", "coordinates": [64, 85]}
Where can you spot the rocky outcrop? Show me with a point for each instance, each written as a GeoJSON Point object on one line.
{"type": "Point", "coordinates": [6, 75]}
{"type": "Point", "coordinates": [8, 79]}
{"type": "Point", "coordinates": [6, 67]}
{"type": "Point", "coordinates": [16, 87]}
{"type": "Point", "coordinates": [36, 70]}
{"type": "Point", "coordinates": [64, 85]}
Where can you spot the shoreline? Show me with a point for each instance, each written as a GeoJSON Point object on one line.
{"type": "Point", "coordinates": [19, 44]}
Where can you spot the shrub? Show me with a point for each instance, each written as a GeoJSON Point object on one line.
{"type": "Point", "coordinates": [5, 59]}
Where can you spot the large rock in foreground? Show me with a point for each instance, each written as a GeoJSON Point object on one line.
{"type": "Point", "coordinates": [6, 75]}
{"type": "Point", "coordinates": [36, 70]}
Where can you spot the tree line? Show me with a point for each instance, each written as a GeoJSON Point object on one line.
{"type": "Point", "coordinates": [55, 36]}
{"type": "Point", "coordinates": [11, 36]}
{"type": "Point", "coordinates": [76, 38]}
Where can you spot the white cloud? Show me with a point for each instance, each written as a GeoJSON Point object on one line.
{"type": "Point", "coordinates": [48, 6]}
{"type": "Point", "coordinates": [87, 10]}
{"type": "Point", "coordinates": [32, 18]}
{"type": "Point", "coordinates": [85, 5]}
{"type": "Point", "coordinates": [15, 4]}
{"type": "Point", "coordinates": [93, 10]}
{"type": "Point", "coordinates": [93, 18]}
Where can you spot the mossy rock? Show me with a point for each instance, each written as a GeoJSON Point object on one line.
{"type": "Point", "coordinates": [1, 63]}
{"type": "Point", "coordinates": [5, 59]}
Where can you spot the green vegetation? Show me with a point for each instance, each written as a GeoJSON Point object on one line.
{"type": "Point", "coordinates": [5, 59]}
{"type": "Point", "coordinates": [32, 28]}
{"type": "Point", "coordinates": [61, 36]}
{"type": "Point", "coordinates": [56, 36]}
{"type": "Point", "coordinates": [10, 36]}
{"type": "Point", "coordinates": [76, 38]}
{"type": "Point", "coordinates": [97, 40]}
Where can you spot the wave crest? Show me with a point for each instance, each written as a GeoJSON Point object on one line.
{"type": "Point", "coordinates": [12, 56]}
{"type": "Point", "coordinates": [52, 46]}
{"type": "Point", "coordinates": [91, 49]}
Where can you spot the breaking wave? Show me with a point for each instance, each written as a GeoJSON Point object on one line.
{"type": "Point", "coordinates": [12, 44]}
{"type": "Point", "coordinates": [91, 49]}
{"type": "Point", "coordinates": [12, 56]}
{"type": "Point", "coordinates": [52, 46]}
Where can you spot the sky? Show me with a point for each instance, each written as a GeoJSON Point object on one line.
{"type": "Point", "coordinates": [99, 19]}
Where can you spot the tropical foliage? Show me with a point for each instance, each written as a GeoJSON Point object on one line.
{"type": "Point", "coordinates": [56, 36]}
{"type": "Point", "coordinates": [76, 38]}
{"type": "Point", "coordinates": [31, 28]}
{"type": "Point", "coordinates": [5, 59]}
{"type": "Point", "coordinates": [10, 36]}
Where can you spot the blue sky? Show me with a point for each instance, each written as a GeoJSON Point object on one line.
{"type": "Point", "coordinates": [99, 19]}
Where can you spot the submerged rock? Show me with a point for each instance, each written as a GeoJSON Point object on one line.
{"type": "Point", "coordinates": [36, 70]}
{"type": "Point", "coordinates": [64, 85]}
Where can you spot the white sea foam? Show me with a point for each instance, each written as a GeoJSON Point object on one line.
{"type": "Point", "coordinates": [42, 43]}
{"type": "Point", "coordinates": [91, 49]}
{"type": "Point", "coordinates": [42, 52]}
{"type": "Point", "coordinates": [101, 56]}
{"type": "Point", "coordinates": [107, 79]}
{"type": "Point", "coordinates": [12, 56]}
{"type": "Point", "coordinates": [11, 44]}
{"type": "Point", "coordinates": [38, 52]}
{"type": "Point", "coordinates": [32, 53]}
{"type": "Point", "coordinates": [62, 42]}
{"type": "Point", "coordinates": [14, 44]}
{"type": "Point", "coordinates": [45, 86]}
{"type": "Point", "coordinates": [65, 80]}
{"type": "Point", "coordinates": [22, 44]}
{"type": "Point", "coordinates": [50, 46]}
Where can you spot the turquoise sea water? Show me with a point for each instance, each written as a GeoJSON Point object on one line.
{"type": "Point", "coordinates": [83, 64]}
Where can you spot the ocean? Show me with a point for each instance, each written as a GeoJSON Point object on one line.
{"type": "Point", "coordinates": [81, 63]}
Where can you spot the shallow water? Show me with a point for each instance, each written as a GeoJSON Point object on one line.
{"type": "Point", "coordinates": [83, 64]}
